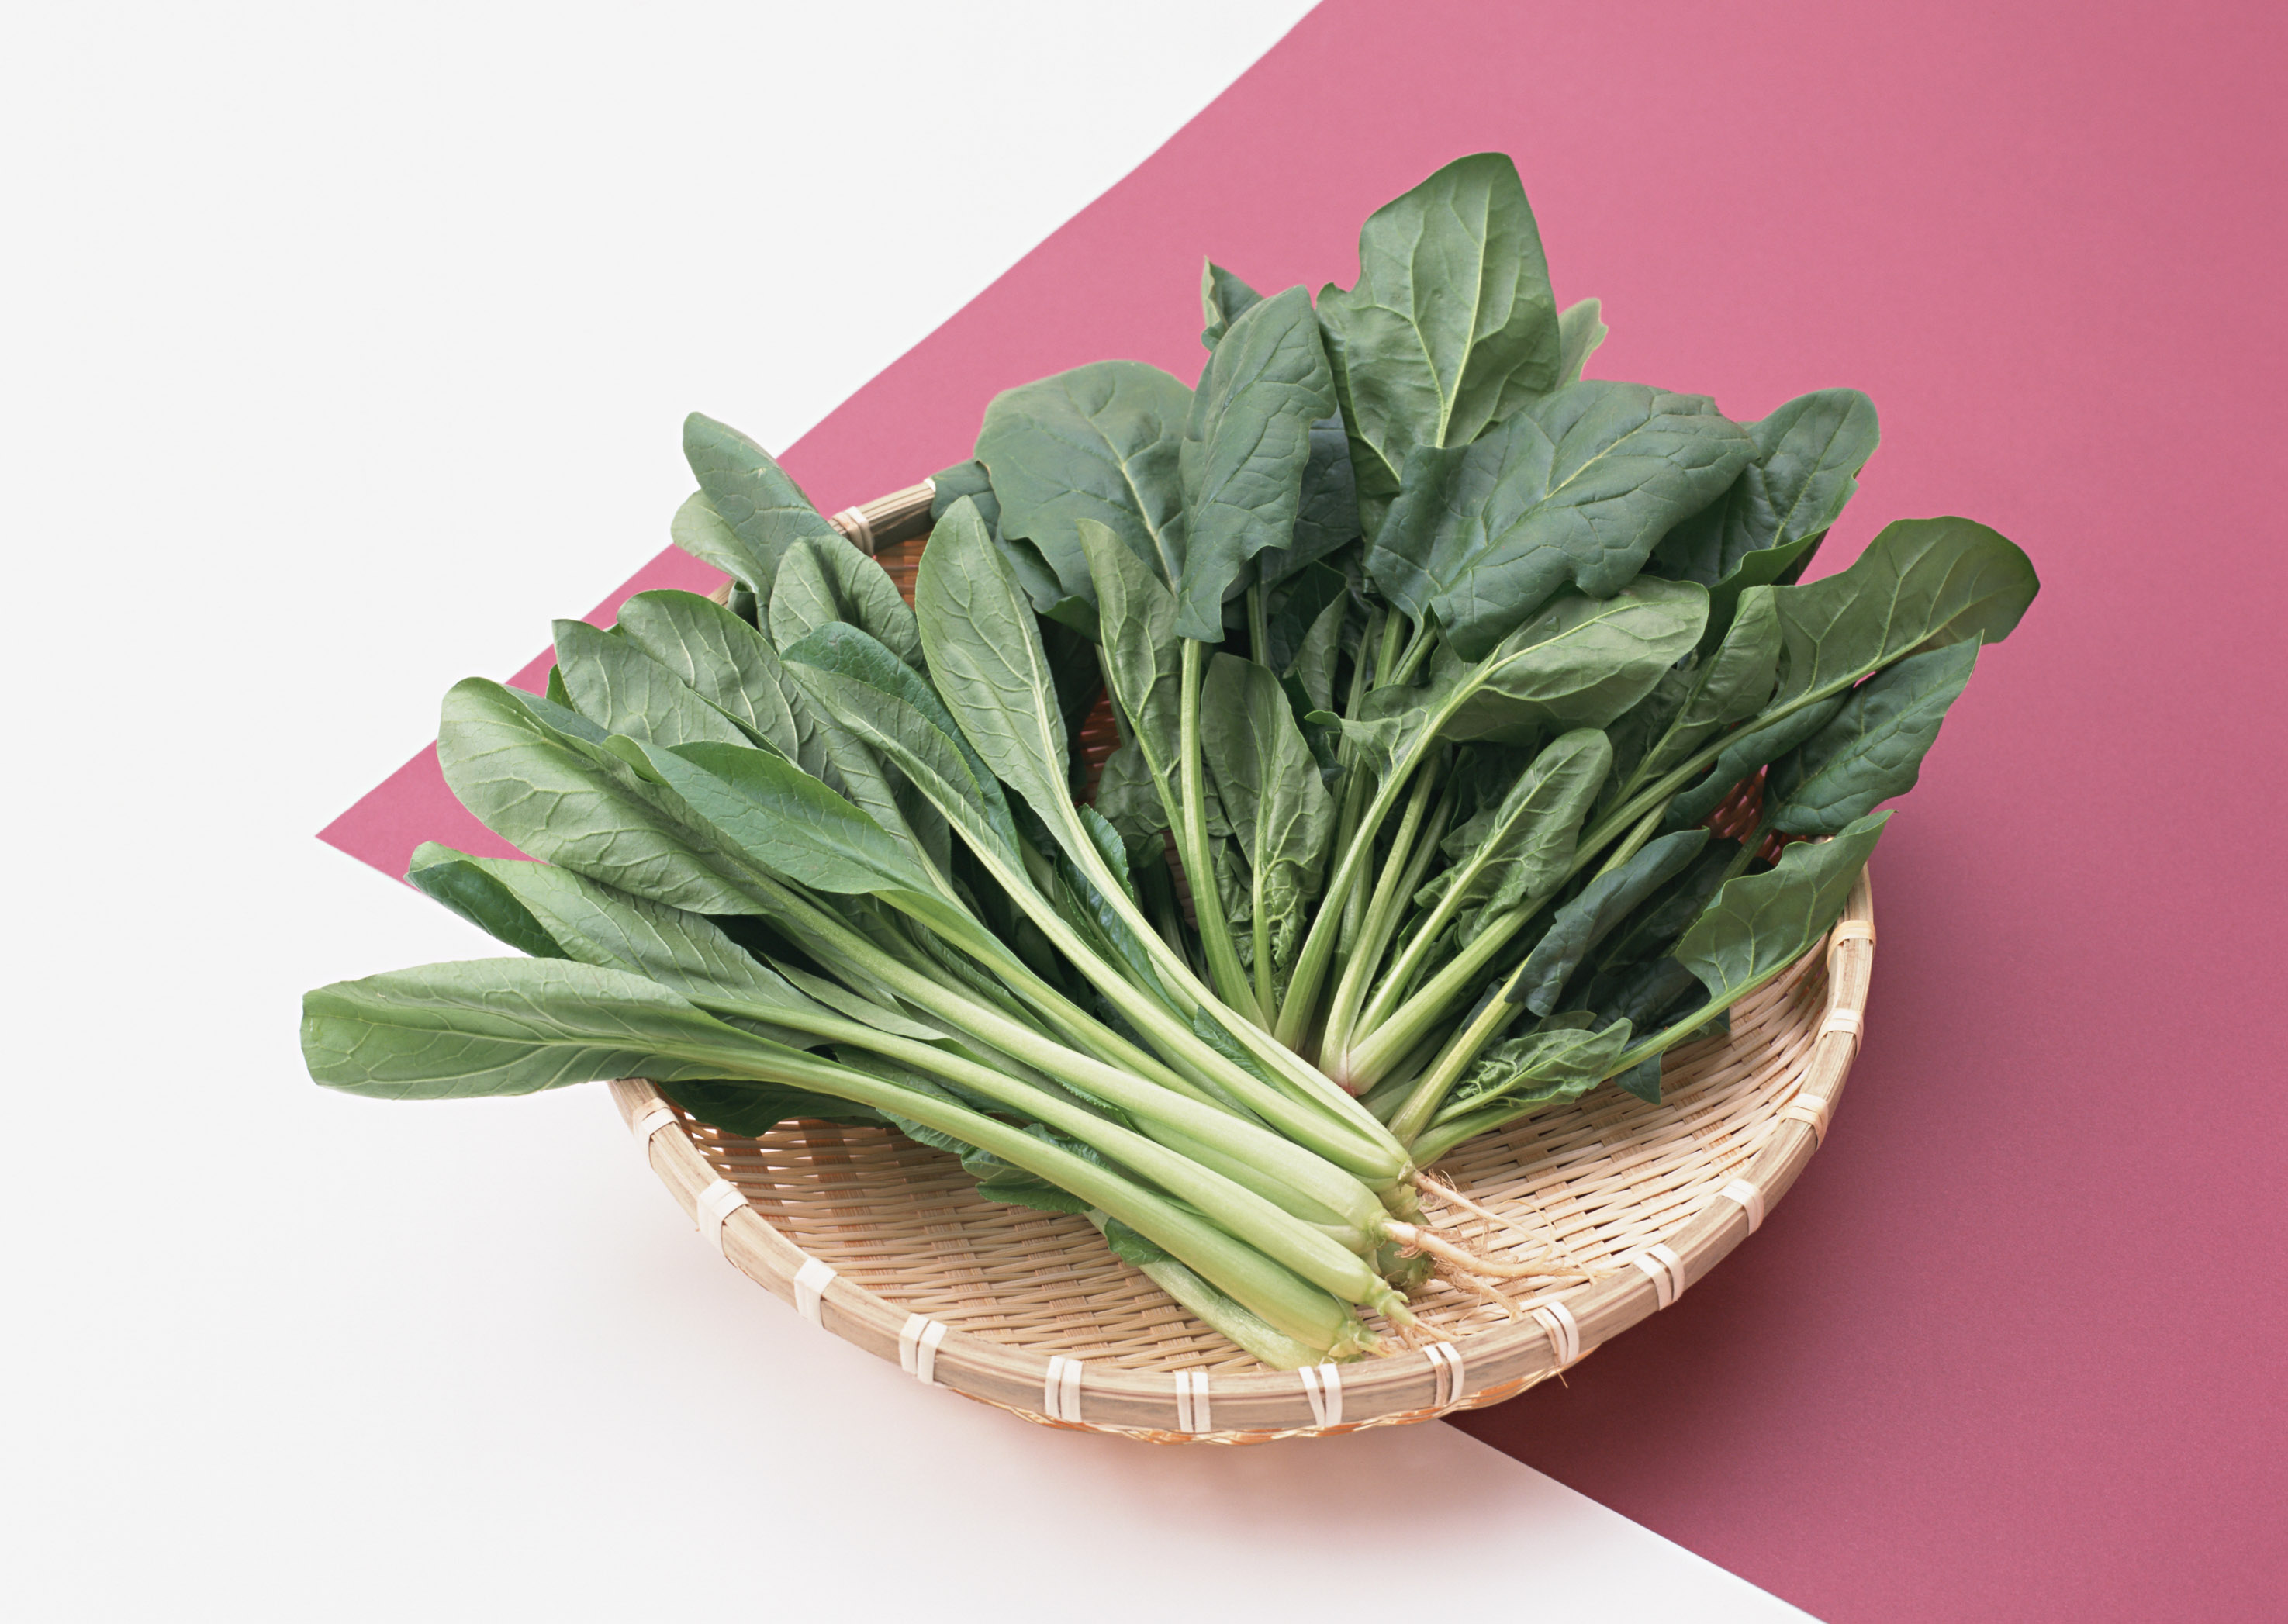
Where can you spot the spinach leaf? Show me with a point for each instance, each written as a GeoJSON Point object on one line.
{"type": "Point", "coordinates": [1761, 923]}
{"type": "Point", "coordinates": [1583, 923]}
{"type": "Point", "coordinates": [1874, 748]}
{"type": "Point", "coordinates": [1581, 662]}
{"type": "Point", "coordinates": [1245, 445]}
{"type": "Point", "coordinates": [1521, 848]}
{"type": "Point", "coordinates": [698, 530]}
{"type": "Point", "coordinates": [1326, 509]}
{"type": "Point", "coordinates": [821, 581]}
{"type": "Point", "coordinates": [722, 658]}
{"type": "Point", "coordinates": [1270, 788]}
{"type": "Point", "coordinates": [761, 511]}
{"type": "Point", "coordinates": [1727, 687]}
{"type": "Point", "coordinates": [1142, 661]}
{"type": "Point", "coordinates": [1099, 442]}
{"type": "Point", "coordinates": [1577, 487]}
{"type": "Point", "coordinates": [1130, 801]}
{"type": "Point", "coordinates": [1808, 455]}
{"type": "Point", "coordinates": [789, 823]}
{"type": "Point", "coordinates": [1742, 754]}
{"type": "Point", "coordinates": [621, 688]}
{"type": "Point", "coordinates": [1551, 1063]}
{"type": "Point", "coordinates": [577, 918]}
{"type": "Point", "coordinates": [1451, 326]}
{"type": "Point", "coordinates": [1581, 333]}
{"type": "Point", "coordinates": [991, 672]}
{"type": "Point", "coordinates": [1224, 299]}
{"type": "Point", "coordinates": [881, 699]}
{"type": "Point", "coordinates": [1921, 584]}
{"type": "Point", "coordinates": [1314, 658]}
{"type": "Point", "coordinates": [491, 1026]}
{"type": "Point", "coordinates": [949, 485]}
{"type": "Point", "coordinates": [563, 798]}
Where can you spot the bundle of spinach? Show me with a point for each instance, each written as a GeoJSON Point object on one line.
{"type": "Point", "coordinates": [1429, 657]}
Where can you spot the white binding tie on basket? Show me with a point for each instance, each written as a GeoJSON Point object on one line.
{"type": "Point", "coordinates": [1192, 1401]}
{"type": "Point", "coordinates": [1807, 1108]}
{"type": "Point", "coordinates": [1324, 1386]}
{"type": "Point", "coordinates": [917, 1343]}
{"type": "Point", "coordinates": [1840, 1019]}
{"type": "Point", "coordinates": [1665, 1268]}
{"type": "Point", "coordinates": [1060, 1390]}
{"type": "Point", "coordinates": [650, 1119]}
{"type": "Point", "coordinates": [1564, 1331]}
{"type": "Point", "coordinates": [1749, 1195]}
{"type": "Point", "coordinates": [810, 1283]}
{"type": "Point", "coordinates": [853, 523]}
{"type": "Point", "coordinates": [717, 1203]}
{"type": "Point", "coordinates": [1446, 1363]}
{"type": "Point", "coordinates": [1851, 931]}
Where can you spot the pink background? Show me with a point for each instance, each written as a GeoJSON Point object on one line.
{"type": "Point", "coordinates": [2014, 1348]}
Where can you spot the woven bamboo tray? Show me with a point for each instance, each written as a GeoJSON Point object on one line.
{"type": "Point", "coordinates": [887, 1244]}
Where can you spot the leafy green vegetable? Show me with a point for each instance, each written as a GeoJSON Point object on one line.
{"type": "Point", "coordinates": [1279, 810]}
{"type": "Point", "coordinates": [1808, 455]}
{"type": "Point", "coordinates": [1451, 326]}
{"type": "Point", "coordinates": [821, 581]}
{"type": "Point", "coordinates": [1428, 657]}
{"type": "Point", "coordinates": [1874, 748]}
{"type": "Point", "coordinates": [1099, 442]}
{"type": "Point", "coordinates": [1246, 443]}
{"type": "Point", "coordinates": [1580, 488]}
{"type": "Point", "coordinates": [758, 512]}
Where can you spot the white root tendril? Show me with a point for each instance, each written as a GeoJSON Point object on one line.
{"type": "Point", "coordinates": [1412, 1239]}
{"type": "Point", "coordinates": [1446, 1192]}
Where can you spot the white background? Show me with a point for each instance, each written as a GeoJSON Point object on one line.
{"type": "Point", "coordinates": [342, 351]}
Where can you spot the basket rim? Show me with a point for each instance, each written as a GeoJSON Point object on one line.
{"type": "Point", "coordinates": [1392, 1389]}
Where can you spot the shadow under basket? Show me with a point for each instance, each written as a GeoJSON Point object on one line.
{"type": "Point", "coordinates": [888, 1245]}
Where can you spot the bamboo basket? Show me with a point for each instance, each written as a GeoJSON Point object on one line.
{"type": "Point", "coordinates": [887, 1244]}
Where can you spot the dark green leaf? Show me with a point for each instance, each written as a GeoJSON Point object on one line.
{"type": "Point", "coordinates": [970, 479]}
{"type": "Point", "coordinates": [623, 689]}
{"type": "Point", "coordinates": [788, 822]}
{"type": "Point", "coordinates": [986, 656]}
{"type": "Point", "coordinates": [1279, 810]}
{"type": "Point", "coordinates": [1742, 754]}
{"type": "Point", "coordinates": [1586, 921]}
{"type": "Point", "coordinates": [1581, 332]}
{"type": "Point", "coordinates": [1874, 748]}
{"type": "Point", "coordinates": [562, 798]}
{"type": "Point", "coordinates": [881, 700]}
{"type": "Point", "coordinates": [1224, 299]}
{"type": "Point", "coordinates": [1099, 442]}
{"type": "Point", "coordinates": [1452, 327]}
{"type": "Point", "coordinates": [1246, 442]}
{"type": "Point", "coordinates": [1521, 849]}
{"type": "Point", "coordinates": [1581, 662]}
{"type": "Point", "coordinates": [489, 1026]}
{"type": "Point", "coordinates": [1327, 510]}
{"type": "Point", "coordinates": [821, 581]}
{"type": "Point", "coordinates": [1808, 455]}
{"type": "Point", "coordinates": [760, 513]}
{"type": "Point", "coordinates": [1577, 487]}
{"type": "Point", "coordinates": [1552, 1063]}
{"type": "Point", "coordinates": [577, 918]}
{"type": "Point", "coordinates": [722, 658]}
{"type": "Point", "coordinates": [1761, 923]}
{"type": "Point", "coordinates": [1921, 584]}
